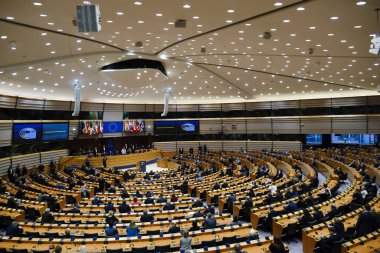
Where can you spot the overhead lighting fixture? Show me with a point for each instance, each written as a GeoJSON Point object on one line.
{"type": "Point", "coordinates": [13, 45]}
{"type": "Point", "coordinates": [138, 3]}
{"type": "Point", "coordinates": [361, 3]}
{"type": "Point", "coordinates": [186, 6]}
{"type": "Point", "coordinates": [37, 3]}
{"type": "Point", "coordinates": [278, 4]}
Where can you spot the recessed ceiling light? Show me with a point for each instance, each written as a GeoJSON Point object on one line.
{"type": "Point", "coordinates": [361, 3]}
{"type": "Point", "coordinates": [159, 14]}
{"type": "Point", "coordinates": [286, 21]}
{"type": "Point", "coordinates": [278, 4]}
{"type": "Point", "coordinates": [229, 21]}
{"type": "Point", "coordinates": [300, 8]}
{"type": "Point", "coordinates": [3, 37]}
{"type": "Point", "coordinates": [119, 13]}
{"type": "Point", "coordinates": [186, 6]}
{"type": "Point", "coordinates": [50, 23]}
{"type": "Point", "coordinates": [43, 15]}
{"type": "Point", "coordinates": [140, 21]}
{"type": "Point", "coordinates": [231, 11]}
{"type": "Point", "coordinates": [10, 18]}
{"type": "Point", "coordinates": [37, 3]}
{"type": "Point", "coordinates": [357, 26]}
{"type": "Point", "coordinates": [195, 17]}
{"type": "Point", "coordinates": [43, 34]}
{"type": "Point", "coordinates": [138, 3]}
{"type": "Point", "coordinates": [334, 18]}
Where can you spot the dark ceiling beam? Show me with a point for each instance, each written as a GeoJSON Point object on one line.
{"type": "Point", "coordinates": [237, 23]}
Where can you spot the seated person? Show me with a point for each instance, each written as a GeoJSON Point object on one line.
{"type": "Point", "coordinates": [198, 213]}
{"type": "Point", "coordinates": [168, 206]}
{"type": "Point", "coordinates": [198, 203]}
{"type": "Point", "coordinates": [135, 201]}
{"type": "Point", "coordinates": [124, 207]}
{"type": "Point", "coordinates": [96, 201]}
{"type": "Point", "coordinates": [138, 194]}
{"type": "Point", "coordinates": [132, 229]}
{"type": "Point", "coordinates": [14, 229]}
{"type": "Point", "coordinates": [318, 215]}
{"type": "Point", "coordinates": [291, 207]}
{"type": "Point", "coordinates": [67, 233]}
{"type": "Point", "coordinates": [210, 209]}
{"type": "Point", "coordinates": [210, 222]}
{"type": "Point", "coordinates": [47, 217]}
{"type": "Point", "coordinates": [12, 203]}
{"type": "Point", "coordinates": [146, 217]}
{"type": "Point", "coordinates": [111, 218]}
{"type": "Point", "coordinates": [161, 199]}
{"type": "Point", "coordinates": [277, 246]}
{"type": "Point", "coordinates": [194, 226]}
{"type": "Point", "coordinates": [174, 228]}
{"type": "Point", "coordinates": [109, 207]}
{"type": "Point", "coordinates": [238, 248]}
{"type": "Point", "coordinates": [173, 198]}
{"type": "Point", "coordinates": [367, 222]}
{"type": "Point", "coordinates": [75, 209]}
{"type": "Point", "coordinates": [111, 230]}
{"type": "Point", "coordinates": [327, 242]}
{"type": "Point", "coordinates": [149, 200]}
{"type": "Point", "coordinates": [306, 218]}
{"type": "Point", "coordinates": [124, 193]}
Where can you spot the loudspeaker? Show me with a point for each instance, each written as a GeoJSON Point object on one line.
{"type": "Point", "coordinates": [88, 18]}
{"type": "Point", "coordinates": [76, 101]}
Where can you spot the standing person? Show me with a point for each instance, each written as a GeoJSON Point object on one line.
{"type": "Point", "coordinates": [101, 183]}
{"type": "Point", "coordinates": [132, 229]}
{"type": "Point", "coordinates": [185, 241]}
{"type": "Point", "coordinates": [105, 161]}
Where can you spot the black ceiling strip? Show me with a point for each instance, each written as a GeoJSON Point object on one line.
{"type": "Point", "coordinates": [282, 75]}
{"type": "Point", "coordinates": [60, 33]}
{"type": "Point", "coordinates": [236, 23]}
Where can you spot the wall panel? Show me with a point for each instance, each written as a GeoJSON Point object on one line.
{"type": "Point", "coordinates": [288, 104]}
{"type": "Point", "coordinates": [5, 163]}
{"type": "Point", "coordinates": [5, 133]}
{"type": "Point", "coordinates": [345, 125]}
{"type": "Point", "coordinates": [7, 102]}
{"type": "Point", "coordinates": [57, 105]}
{"type": "Point", "coordinates": [320, 125]}
{"type": "Point", "coordinates": [312, 103]}
{"type": "Point", "coordinates": [258, 106]}
{"type": "Point", "coordinates": [374, 125]}
{"type": "Point", "coordinates": [286, 126]}
{"type": "Point", "coordinates": [30, 104]}
{"type": "Point", "coordinates": [136, 108]}
{"type": "Point", "coordinates": [233, 107]}
{"type": "Point", "coordinates": [210, 107]}
{"type": "Point", "coordinates": [113, 107]}
{"type": "Point", "coordinates": [354, 101]}
{"type": "Point", "coordinates": [210, 126]}
{"type": "Point", "coordinates": [234, 126]}
{"type": "Point", "coordinates": [91, 107]}
{"type": "Point", "coordinates": [259, 126]}
{"type": "Point", "coordinates": [187, 108]}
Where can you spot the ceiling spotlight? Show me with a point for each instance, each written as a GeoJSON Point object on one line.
{"type": "Point", "coordinates": [13, 45]}
{"type": "Point", "coordinates": [267, 35]}
{"type": "Point", "coordinates": [203, 50]}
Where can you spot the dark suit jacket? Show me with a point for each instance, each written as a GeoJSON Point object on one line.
{"type": "Point", "coordinates": [366, 223]}
{"type": "Point", "coordinates": [149, 201]}
{"type": "Point", "coordinates": [174, 229]}
{"type": "Point", "coordinates": [47, 218]}
{"type": "Point", "coordinates": [124, 208]}
{"type": "Point", "coordinates": [147, 218]}
{"type": "Point", "coordinates": [210, 223]}
{"type": "Point", "coordinates": [168, 207]}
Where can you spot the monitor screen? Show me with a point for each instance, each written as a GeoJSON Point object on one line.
{"type": "Point", "coordinates": [55, 131]}
{"type": "Point", "coordinates": [165, 127]}
{"type": "Point", "coordinates": [358, 139]}
{"type": "Point", "coordinates": [26, 133]}
{"type": "Point", "coordinates": [313, 139]}
{"type": "Point", "coordinates": [113, 127]}
{"type": "Point", "coordinates": [91, 127]}
{"type": "Point", "coordinates": [188, 126]}
{"type": "Point", "coordinates": [134, 126]}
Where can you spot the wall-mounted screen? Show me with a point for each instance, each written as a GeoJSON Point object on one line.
{"type": "Point", "coordinates": [113, 127]}
{"type": "Point", "coordinates": [91, 127]}
{"type": "Point", "coordinates": [313, 139]}
{"type": "Point", "coordinates": [165, 127]}
{"type": "Point", "coordinates": [176, 127]}
{"type": "Point", "coordinates": [188, 126]}
{"type": "Point", "coordinates": [26, 133]}
{"type": "Point", "coordinates": [358, 139]}
{"type": "Point", "coordinates": [55, 131]}
{"type": "Point", "coordinates": [134, 126]}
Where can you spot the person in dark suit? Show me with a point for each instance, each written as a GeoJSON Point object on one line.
{"type": "Point", "coordinates": [210, 221]}
{"type": "Point", "coordinates": [109, 207]}
{"type": "Point", "coordinates": [146, 217]}
{"type": "Point", "coordinates": [306, 218]}
{"type": "Point", "coordinates": [14, 229]}
{"type": "Point", "coordinates": [101, 183]}
{"type": "Point", "coordinates": [367, 222]}
{"type": "Point", "coordinates": [180, 151]}
{"type": "Point", "coordinates": [124, 207]}
{"type": "Point", "coordinates": [174, 228]}
{"type": "Point", "coordinates": [210, 209]}
{"type": "Point", "coordinates": [198, 213]}
{"type": "Point", "coordinates": [327, 242]}
{"type": "Point", "coordinates": [191, 151]}
{"type": "Point", "coordinates": [161, 199]}
{"type": "Point", "coordinates": [168, 206]}
{"type": "Point", "coordinates": [149, 200]}
{"type": "Point", "coordinates": [318, 215]}
{"type": "Point", "coordinates": [198, 203]}
{"type": "Point", "coordinates": [277, 246]}
{"type": "Point", "coordinates": [96, 201]}
{"type": "Point", "coordinates": [111, 230]}
{"type": "Point", "coordinates": [75, 209]}
{"type": "Point", "coordinates": [47, 217]}
{"type": "Point", "coordinates": [111, 218]}
{"type": "Point", "coordinates": [339, 227]}
{"type": "Point", "coordinates": [194, 226]}
{"type": "Point", "coordinates": [12, 203]}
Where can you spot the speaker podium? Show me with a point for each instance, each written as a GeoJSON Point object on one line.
{"type": "Point", "coordinates": [141, 166]}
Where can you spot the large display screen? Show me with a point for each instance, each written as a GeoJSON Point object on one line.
{"type": "Point", "coordinates": [313, 139]}
{"type": "Point", "coordinates": [113, 127]}
{"type": "Point", "coordinates": [188, 126]}
{"type": "Point", "coordinates": [176, 127]}
{"type": "Point", "coordinates": [134, 126]}
{"type": "Point", "coordinates": [55, 131]}
{"type": "Point", "coordinates": [91, 127]}
{"type": "Point", "coordinates": [26, 133]}
{"type": "Point", "coordinates": [358, 139]}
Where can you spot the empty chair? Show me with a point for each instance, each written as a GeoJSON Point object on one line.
{"type": "Point", "coordinates": [228, 239]}
{"type": "Point", "coordinates": [20, 251]}
{"type": "Point", "coordinates": [90, 235]}
{"type": "Point", "coordinates": [40, 251]}
{"type": "Point", "coordinates": [114, 251]}
{"type": "Point", "coordinates": [162, 248]}
{"type": "Point", "coordinates": [32, 214]}
{"type": "Point", "coordinates": [291, 230]}
{"type": "Point", "coordinates": [54, 235]}
{"type": "Point", "coordinates": [209, 243]}
{"type": "Point", "coordinates": [140, 250]}
{"type": "Point", "coordinates": [153, 232]}
{"type": "Point", "coordinates": [162, 219]}
{"type": "Point", "coordinates": [33, 234]}
{"type": "Point", "coordinates": [183, 207]}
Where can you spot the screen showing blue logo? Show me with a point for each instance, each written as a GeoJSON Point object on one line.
{"type": "Point", "coordinates": [26, 133]}
{"type": "Point", "coordinates": [188, 126]}
{"type": "Point", "coordinates": [110, 127]}
{"type": "Point", "coordinates": [53, 132]}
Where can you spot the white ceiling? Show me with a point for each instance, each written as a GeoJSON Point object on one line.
{"type": "Point", "coordinates": [239, 65]}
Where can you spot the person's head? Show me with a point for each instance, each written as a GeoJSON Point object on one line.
{"type": "Point", "coordinates": [368, 208]}
{"type": "Point", "coordinates": [209, 215]}
{"type": "Point", "coordinates": [132, 224]}
{"type": "Point", "coordinates": [58, 249]}
{"type": "Point", "coordinates": [237, 247]}
{"type": "Point", "coordinates": [47, 210]}
{"type": "Point", "coordinates": [14, 224]}
{"type": "Point", "coordinates": [277, 240]}
{"type": "Point", "coordinates": [174, 224]}
{"type": "Point", "coordinates": [110, 224]}
{"type": "Point", "coordinates": [67, 231]}
{"type": "Point", "coordinates": [195, 224]}
{"type": "Point", "coordinates": [186, 233]}
{"type": "Point", "coordinates": [110, 213]}
{"type": "Point", "coordinates": [124, 202]}
{"type": "Point", "coordinates": [145, 212]}
{"type": "Point", "coordinates": [109, 202]}
{"type": "Point", "coordinates": [83, 249]}
{"type": "Point", "coordinates": [134, 199]}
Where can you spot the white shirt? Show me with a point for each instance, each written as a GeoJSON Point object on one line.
{"type": "Point", "coordinates": [273, 188]}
